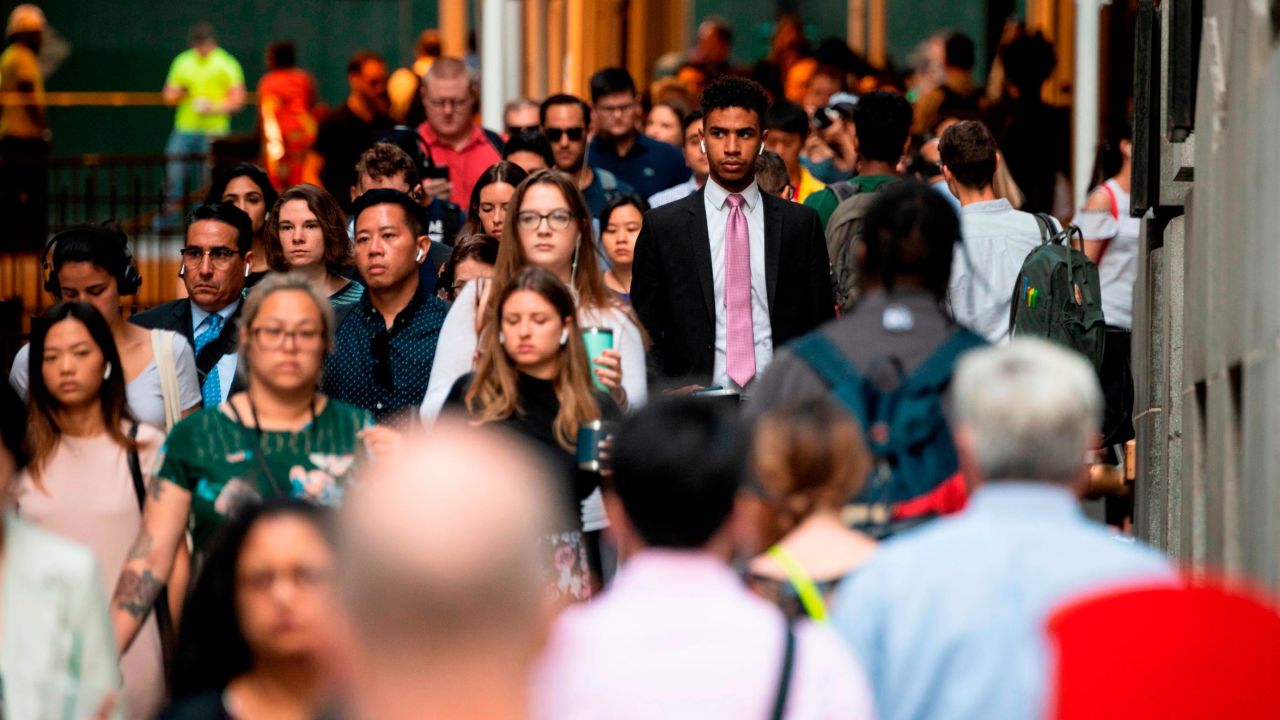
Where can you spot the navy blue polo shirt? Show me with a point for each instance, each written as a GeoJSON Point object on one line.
{"type": "Point", "coordinates": [648, 167]}
{"type": "Point", "coordinates": [385, 371]}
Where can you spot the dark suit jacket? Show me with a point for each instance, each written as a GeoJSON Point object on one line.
{"type": "Point", "coordinates": [674, 295]}
{"type": "Point", "coordinates": [176, 316]}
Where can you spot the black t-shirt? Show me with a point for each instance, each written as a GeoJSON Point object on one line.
{"type": "Point", "coordinates": [342, 138]}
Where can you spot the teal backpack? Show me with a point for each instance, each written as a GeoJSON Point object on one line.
{"type": "Point", "coordinates": [1058, 296]}
{"type": "Point", "coordinates": [905, 429]}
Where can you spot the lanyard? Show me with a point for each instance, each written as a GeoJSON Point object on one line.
{"type": "Point", "coordinates": [806, 590]}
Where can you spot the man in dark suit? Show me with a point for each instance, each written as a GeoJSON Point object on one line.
{"type": "Point", "coordinates": [216, 257]}
{"type": "Point", "coordinates": [727, 274]}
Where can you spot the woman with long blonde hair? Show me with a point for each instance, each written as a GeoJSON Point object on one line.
{"type": "Point", "coordinates": [534, 378]}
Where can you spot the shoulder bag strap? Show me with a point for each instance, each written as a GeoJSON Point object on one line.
{"type": "Point", "coordinates": [810, 596]}
{"type": "Point", "coordinates": [784, 678]}
{"type": "Point", "coordinates": [167, 366]}
{"type": "Point", "coordinates": [164, 618]}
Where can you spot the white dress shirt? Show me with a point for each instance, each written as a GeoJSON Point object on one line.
{"type": "Point", "coordinates": [677, 635]}
{"type": "Point", "coordinates": [1118, 270]}
{"type": "Point", "coordinates": [227, 363]}
{"type": "Point", "coordinates": [716, 200]}
{"type": "Point", "coordinates": [674, 193]}
{"type": "Point", "coordinates": [985, 267]}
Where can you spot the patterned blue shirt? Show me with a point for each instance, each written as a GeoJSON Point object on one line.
{"type": "Point", "coordinates": [949, 619]}
{"type": "Point", "coordinates": [385, 370]}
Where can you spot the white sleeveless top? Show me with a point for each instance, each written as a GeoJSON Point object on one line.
{"type": "Point", "coordinates": [1118, 270]}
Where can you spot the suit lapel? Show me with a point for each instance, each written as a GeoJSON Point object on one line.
{"type": "Point", "coordinates": [702, 253]}
{"type": "Point", "coordinates": [772, 243]}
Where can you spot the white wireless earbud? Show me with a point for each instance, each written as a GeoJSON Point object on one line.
{"type": "Point", "coordinates": [247, 271]}
{"type": "Point", "coordinates": [420, 256]}
{"type": "Point", "coordinates": [502, 339]}
{"type": "Point", "coordinates": [564, 337]}
{"type": "Point", "coordinates": [106, 374]}
{"type": "Point", "coordinates": [703, 143]}
{"type": "Point", "coordinates": [761, 151]}
{"type": "Point", "coordinates": [182, 271]}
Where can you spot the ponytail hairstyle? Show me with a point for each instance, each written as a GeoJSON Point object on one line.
{"type": "Point", "coordinates": [806, 457]}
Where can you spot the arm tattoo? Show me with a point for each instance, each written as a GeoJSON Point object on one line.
{"type": "Point", "coordinates": [156, 487]}
{"type": "Point", "coordinates": [135, 594]}
{"type": "Point", "coordinates": [141, 547]}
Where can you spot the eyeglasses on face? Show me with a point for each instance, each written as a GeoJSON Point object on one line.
{"type": "Point", "coordinates": [220, 256]}
{"type": "Point", "coordinates": [575, 133]}
{"type": "Point", "coordinates": [556, 219]}
{"type": "Point", "coordinates": [514, 130]}
{"type": "Point", "coordinates": [442, 103]}
{"type": "Point", "coordinates": [615, 109]}
{"type": "Point", "coordinates": [273, 337]}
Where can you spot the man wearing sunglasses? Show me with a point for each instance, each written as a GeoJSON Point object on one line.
{"type": "Point", "coordinates": [565, 120]}
{"type": "Point", "coordinates": [385, 343]}
{"type": "Point", "coordinates": [215, 260]}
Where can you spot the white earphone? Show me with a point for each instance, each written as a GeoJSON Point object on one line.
{"type": "Point", "coordinates": [421, 254]}
{"type": "Point", "coordinates": [182, 271]}
{"type": "Point", "coordinates": [703, 143]}
{"type": "Point", "coordinates": [502, 339]}
{"type": "Point", "coordinates": [564, 337]}
{"type": "Point", "coordinates": [106, 374]}
{"type": "Point", "coordinates": [247, 271]}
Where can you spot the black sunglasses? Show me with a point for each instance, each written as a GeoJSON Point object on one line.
{"type": "Point", "coordinates": [380, 349]}
{"type": "Point", "coordinates": [554, 134]}
{"type": "Point", "coordinates": [514, 130]}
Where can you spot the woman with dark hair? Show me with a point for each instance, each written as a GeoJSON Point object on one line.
{"type": "Point", "coordinates": [249, 188]}
{"type": "Point", "coordinates": [279, 438]}
{"type": "Point", "coordinates": [53, 604]}
{"type": "Point", "coordinates": [92, 264]}
{"type": "Point", "coordinates": [473, 257]}
{"type": "Point", "coordinates": [307, 233]}
{"type": "Point", "coordinates": [552, 231]}
{"type": "Point", "coordinates": [488, 209]}
{"type": "Point", "coordinates": [809, 461]}
{"type": "Point", "coordinates": [266, 607]}
{"type": "Point", "coordinates": [534, 378]}
{"type": "Point", "coordinates": [85, 450]}
{"type": "Point", "coordinates": [620, 223]}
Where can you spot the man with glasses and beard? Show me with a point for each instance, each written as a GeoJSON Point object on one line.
{"type": "Point", "coordinates": [565, 121]}
{"type": "Point", "coordinates": [385, 343]}
{"type": "Point", "coordinates": [216, 258]}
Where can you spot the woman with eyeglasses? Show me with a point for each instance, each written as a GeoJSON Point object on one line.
{"type": "Point", "coordinates": [473, 257]}
{"type": "Point", "coordinates": [279, 438]}
{"type": "Point", "coordinates": [552, 231]}
{"type": "Point", "coordinates": [249, 188]}
{"type": "Point", "coordinates": [92, 264]}
{"type": "Point", "coordinates": [307, 234]}
{"type": "Point", "coordinates": [487, 212]}
{"type": "Point", "coordinates": [620, 223]}
{"type": "Point", "coordinates": [534, 379]}
{"type": "Point", "coordinates": [86, 474]}
{"type": "Point", "coordinates": [266, 603]}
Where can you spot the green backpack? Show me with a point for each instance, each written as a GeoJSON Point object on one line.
{"type": "Point", "coordinates": [1058, 296]}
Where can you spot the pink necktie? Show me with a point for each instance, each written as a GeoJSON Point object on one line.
{"type": "Point", "coordinates": [740, 344]}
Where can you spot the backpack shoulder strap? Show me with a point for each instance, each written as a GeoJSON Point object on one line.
{"type": "Point", "coordinates": [1046, 228]}
{"type": "Point", "coordinates": [494, 139]}
{"type": "Point", "coordinates": [936, 370]}
{"type": "Point", "coordinates": [1111, 196]}
{"type": "Point", "coordinates": [135, 467]}
{"type": "Point", "coordinates": [825, 359]}
{"type": "Point", "coordinates": [844, 190]}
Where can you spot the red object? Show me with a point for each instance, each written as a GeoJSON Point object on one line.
{"type": "Point", "coordinates": [1198, 651]}
{"type": "Point", "coordinates": [950, 496]}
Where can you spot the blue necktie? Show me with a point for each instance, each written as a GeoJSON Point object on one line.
{"type": "Point", "coordinates": [212, 389]}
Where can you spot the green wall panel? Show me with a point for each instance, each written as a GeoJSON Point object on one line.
{"type": "Point", "coordinates": [129, 45]}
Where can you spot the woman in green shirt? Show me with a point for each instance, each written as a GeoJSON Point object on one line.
{"type": "Point", "coordinates": [280, 438]}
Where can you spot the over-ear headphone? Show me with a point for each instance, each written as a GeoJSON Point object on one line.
{"type": "Point", "coordinates": [128, 279]}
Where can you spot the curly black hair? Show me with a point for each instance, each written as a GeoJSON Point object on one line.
{"type": "Point", "coordinates": [728, 91]}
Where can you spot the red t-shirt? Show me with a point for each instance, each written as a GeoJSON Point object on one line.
{"type": "Point", "coordinates": [465, 164]}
